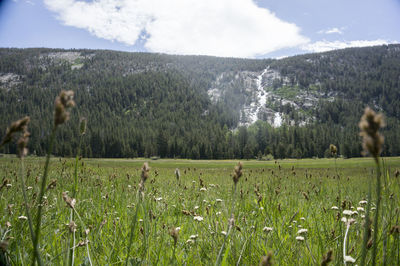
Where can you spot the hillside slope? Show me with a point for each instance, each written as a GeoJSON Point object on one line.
{"type": "Point", "coordinates": [140, 104]}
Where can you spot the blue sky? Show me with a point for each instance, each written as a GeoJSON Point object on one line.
{"type": "Point", "coordinates": [234, 28]}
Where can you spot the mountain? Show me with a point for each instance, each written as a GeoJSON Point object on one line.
{"type": "Point", "coordinates": [142, 104]}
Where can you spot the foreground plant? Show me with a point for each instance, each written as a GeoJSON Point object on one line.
{"type": "Point", "coordinates": [140, 198]}
{"type": "Point", "coordinates": [370, 124]}
{"type": "Point", "coordinates": [82, 132]}
{"type": "Point", "coordinates": [63, 103]}
{"type": "Point", "coordinates": [237, 173]}
{"type": "Point", "coordinates": [22, 150]}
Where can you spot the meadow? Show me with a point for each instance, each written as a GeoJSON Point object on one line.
{"type": "Point", "coordinates": [286, 212]}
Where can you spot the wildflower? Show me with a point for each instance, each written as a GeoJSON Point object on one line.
{"type": "Point", "coordinates": [189, 241]}
{"type": "Point", "coordinates": [363, 202]}
{"type": "Point", "coordinates": [158, 199]}
{"type": "Point", "coordinates": [218, 213]}
{"type": "Point", "coordinates": [334, 208]}
{"type": "Point", "coordinates": [348, 212]}
{"type": "Point", "coordinates": [302, 218]}
{"type": "Point", "coordinates": [349, 259]}
{"type": "Point", "coordinates": [198, 218]}
{"type": "Point", "coordinates": [218, 200]}
{"type": "Point", "coordinates": [203, 189]}
{"type": "Point", "coordinates": [369, 125]}
{"type": "Point", "coordinates": [194, 237]}
{"type": "Point", "coordinates": [299, 238]}
{"type": "Point", "coordinates": [22, 217]}
{"type": "Point", "coordinates": [64, 101]}
{"type": "Point", "coordinates": [360, 209]}
{"type": "Point", "coordinates": [196, 207]}
{"type": "Point", "coordinates": [267, 229]}
{"type": "Point", "coordinates": [223, 233]}
{"type": "Point", "coordinates": [302, 231]}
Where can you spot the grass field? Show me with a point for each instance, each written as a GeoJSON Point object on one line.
{"type": "Point", "coordinates": [273, 202]}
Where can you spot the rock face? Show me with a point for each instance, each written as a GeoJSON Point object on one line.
{"type": "Point", "coordinates": [263, 96]}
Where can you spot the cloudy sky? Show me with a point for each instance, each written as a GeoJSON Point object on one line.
{"type": "Point", "coordinates": [230, 28]}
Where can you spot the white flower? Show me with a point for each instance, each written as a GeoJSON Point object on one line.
{"type": "Point", "coordinates": [140, 220]}
{"type": "Point", "coordinates": [28, 188]}
{"type": "Point", "coordinates": [218, 213]}
{"type": "Point", "coordinates": [205, 201]}
{"type": "Point", "coordinates": [177, 228]}
{"type": "Point", "coordinates": [299, 238]}
{"type": "Point", "coordinates": [211, 185]}
{"type": "Point", "coordinates": [194, 237]}
{"type": "Point", "coordinates": [349, 259]}
{"type": "Point", "coordinates": [348, 212]}
{"type": "Point", "coordinates": [158, 199]}
{"type": "Point", "coordinates": [363, 202]}
{"type": "Point", "coordinates": [223, 232]}
{"type": "Point", "coordinates": [9, 185]}
{"type": "Point", "coordinates": [218, 200]}
{"type": "Point", "coordinates": [23, 217]}
{"type": "Point", "coordinates": [267, 229]}
{"type": "Point", "coordinates": [355, 213]}
{"type": "Point", "coordinates": [129, 186]}
{"type": "Point", "coordinates": [261, 208]}
{"type": "Point", "coordinates": [189, 241]}
{"type": "Point", "coordinates": [203, 189]}
{"type": "Point", "coordinates": [348, 221]}
{"type": "Point", "coordinates": [373, 209]}
{"type": "Point", "coordinates": [334, 208]}
{"type": "Point", "coordinates": [198, 218]}
{"type": "Point", "coordinates": [302, 218]}
{"type": "Point", "coordinates": [196, 207]}
{"type": "Point", "coordinates": [360, 209]}
{"type": "Point", "coordinates": [302, 231]}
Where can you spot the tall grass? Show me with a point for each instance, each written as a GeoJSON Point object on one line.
{"type": "Point", "coordinates": [124, 214]}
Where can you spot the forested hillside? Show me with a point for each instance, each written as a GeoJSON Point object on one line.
{"type": "Point", "coordinates": [144, 105]}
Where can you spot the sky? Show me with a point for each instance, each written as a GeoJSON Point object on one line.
{"type": "Point", "coordinates": [227, 28]}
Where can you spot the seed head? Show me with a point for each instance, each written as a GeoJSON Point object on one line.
{"type": "Point", "coordinates": [327, 258]}
{"type": "Point", "coordinates": [370, 124]}
{"type": "Point", "coordinates": [145, 172]}
{"type": "Point", "coordinates": [237, 172]}
{"type": "Point", "coordinates": [266, 260]}
{"type": "Point", "coordinates": [22, 143]}
{"type": "Point", "coordinates": [177, 174]}
{"type": "Point", "coordinates": [17, 126]}
{"type": "Point", "coordinates": [82, 126]}
{"type": "Point", "coordinates": [63, 102]}
{"type": "Point", "coordinates": [174, 233]}
{"type": "Point", "coordinates": [333, 149]}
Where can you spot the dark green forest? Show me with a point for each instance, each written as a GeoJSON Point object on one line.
{"type": "Point", "coordinates": [156, 105]}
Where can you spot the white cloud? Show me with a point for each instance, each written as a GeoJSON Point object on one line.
{"type": "Point", "coordinates": [323, 46]}
{"type": "Point", "coordinates": [331, 31]}
{"type": "Point", "coordinates": [210, 27]}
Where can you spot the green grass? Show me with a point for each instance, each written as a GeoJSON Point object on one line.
{"type": "Point", "coordinates": [267, 195]}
